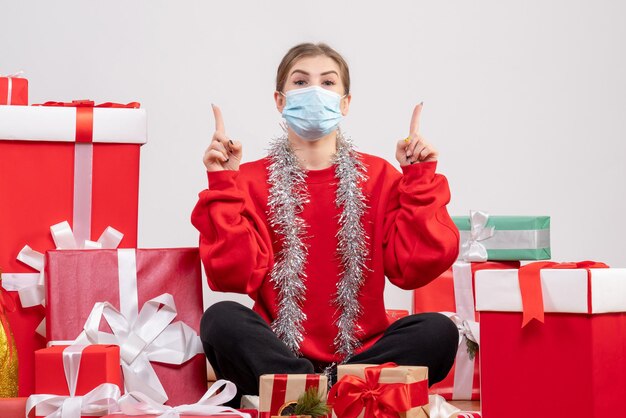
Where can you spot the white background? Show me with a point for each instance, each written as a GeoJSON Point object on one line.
{"type": "Point", "coordinates": [526, 100]}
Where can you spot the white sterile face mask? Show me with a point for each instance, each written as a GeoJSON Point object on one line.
{"type": "Point", "coordinates": [312, 112]}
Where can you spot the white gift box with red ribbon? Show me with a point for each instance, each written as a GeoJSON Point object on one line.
{"type": "Point", "coordinates": [557, 332]}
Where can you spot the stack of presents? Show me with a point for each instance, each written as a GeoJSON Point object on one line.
{"type": "Point", "coordinates": [93, 326]}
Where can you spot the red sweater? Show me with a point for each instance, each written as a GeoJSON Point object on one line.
{"type": "Point", "coordinates": [412, 240]}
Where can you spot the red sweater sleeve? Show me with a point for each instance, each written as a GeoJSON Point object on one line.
{"type": "Point", "coordinates": [235, 246]}
{"type": "Point", "coordinates": [421, 241]}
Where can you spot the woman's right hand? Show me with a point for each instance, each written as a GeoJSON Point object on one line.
{"type": "Point", "coordinates": [223, 153]}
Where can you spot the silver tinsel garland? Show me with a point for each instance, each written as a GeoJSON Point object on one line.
{"type": "Point", "coordinates": [287, 196]}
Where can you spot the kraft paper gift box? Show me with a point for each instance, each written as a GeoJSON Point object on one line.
{"type": "Point", "coordinates": [572, 363]}
{"type": "Point", "coordinates": [63, 371]}
{"type": "Point", "coordinates": [278, 390]}
{"type": "Point", "coordinates": [76, 164]}
{"type": "Point", "coordinates": [13, 90]}
{"type": "Point", "coordinates": [355, 381]}
{"type": "Point", "coordinates": [485, 237]}
{"type": "Point", "coordinates": [156, 293]}
{"type": "Point", "coordinates": [453, 294]}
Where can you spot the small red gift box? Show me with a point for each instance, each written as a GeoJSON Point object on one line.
{"type": "Point", "coordinates": [453, 292]}
{"type": "Point", "coordinates": [98, 364]}
{"type": "Point", "coordinates": [13, 90]}
{"type": "Point", "coordinates": [573, 362]}
{"type": "Point", "coordinates": [278, 390]}
{"type": "Point", "coordinates": [394, 314]}
{"type": "Point", "coordinates": [79, 164]}
{"type": "Point", "coordinates": [141, 287]}
{"type": "Point", "coordinates": [63, 371]}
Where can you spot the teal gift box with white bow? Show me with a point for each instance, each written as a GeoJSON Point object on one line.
{"type": "Point", "coordinates": [484, 237]}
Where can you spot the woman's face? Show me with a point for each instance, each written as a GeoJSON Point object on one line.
{"type": "Point", "coordinates": [319, 71]}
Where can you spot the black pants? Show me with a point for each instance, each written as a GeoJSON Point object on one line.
{"type": "Point", "coordinates": [241, 346]}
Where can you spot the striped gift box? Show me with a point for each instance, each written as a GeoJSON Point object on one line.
{"type": "Point", "coordinates": [279, 390]}
{"type": "Point", "coordinates": [484, 237]}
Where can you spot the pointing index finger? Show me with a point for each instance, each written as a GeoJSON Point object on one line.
{"type": "Point", "coordinates": [415, 119]}
{"type": "Point", "coordinates": [219, 121]}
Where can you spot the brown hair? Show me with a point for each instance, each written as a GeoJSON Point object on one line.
{"type": "Point", "coordinates": [311, 50]}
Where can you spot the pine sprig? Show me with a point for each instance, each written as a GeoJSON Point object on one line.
{"type": "Point", "coordinates": [310, 403]}
{"type": "Point", "coordinates": [472, 348]}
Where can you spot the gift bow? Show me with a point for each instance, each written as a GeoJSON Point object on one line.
{"type": "Point", "coordinates": [137, 403]}
{"type": "Point", "coordinates": [472, 249]}
{"type": "Point", "coordinates": [468, 329]}
{"type": "Point", "coordinates": [530, 285]}
{"type": "Point", "coordinates": [151, 336]}
{"type": "Point", "coordinates": [17, 74]}
{"type": "Point", "coordinates": [102, 399]}
{"type": "Point", "coordinates": [351, 395]}
{"type": "Point", "coordinates": [30, 286]}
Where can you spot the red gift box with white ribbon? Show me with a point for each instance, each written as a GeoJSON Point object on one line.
{"type": "Point", "coordinates": [147, 301]}
{"type": "Point", "coordinates": [453, 293]}
{"type": "Point", "coordinates": [72, 162]}
{"type": "Point", "coordinates": [553, 340]}
{"type": "Point", "coordinates": [13, 89]}
{"type": "Point", "coordinates": [75, 381]}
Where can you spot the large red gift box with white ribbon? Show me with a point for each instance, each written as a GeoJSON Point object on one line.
{"type": "Point", "coordinates": [147, 301]}
{"type": "Point", "coordinates": [75, 163]}
{"type": "Point", "coordinates": [573, 364]}
{"type": "Point", "coordinates": [453, 293]}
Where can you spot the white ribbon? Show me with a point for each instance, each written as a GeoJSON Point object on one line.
{"type": "Point", "coordinates": [472, 249]}
{"type": "Point", "coordinates": [439, 408]}
{"type": "Point", "coordinates": [468, 328]}
{"type": "Point", "coordinates": [102, 399]}
{"type": "Point", "coordinates": [137, 403]}
{"type": "Point", "coordinates": [151, 336]}
{"type": "Point", "coordinates": [31, 286]}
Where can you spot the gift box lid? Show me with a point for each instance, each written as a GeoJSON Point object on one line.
{"type": "Point", "coordinates": [397, 374]}
{"type": "Point", "coordinates": [58, 123]}
{"type": "Point", "coordinates": [603, 290]}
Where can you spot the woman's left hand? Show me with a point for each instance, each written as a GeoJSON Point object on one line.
{"type": "Point", "coordinates": [414, 148]}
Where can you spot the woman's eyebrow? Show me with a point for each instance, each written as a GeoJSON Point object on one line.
{"type": "Point", "coordinates": [299, 71]}
{"type": "Point", "coordinates": [305, 73]}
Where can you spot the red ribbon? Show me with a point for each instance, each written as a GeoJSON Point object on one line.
{"type": "Point", "coordinates": [351, 395]}
{"type": "Point", "coordinates": [91, 103]}
{"type": "Point", "coordinates": [530, 285]}
{"type": "Point", "coordinates": [84, 115]}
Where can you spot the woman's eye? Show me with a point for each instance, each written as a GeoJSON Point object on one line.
{"type": "Point", "coordinates": [299, 82]}
{"type": "Point", "coordinates": [329, 83]}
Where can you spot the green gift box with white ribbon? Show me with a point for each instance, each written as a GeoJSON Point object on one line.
{"type": "Point", "coordinates": [485, 237]}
